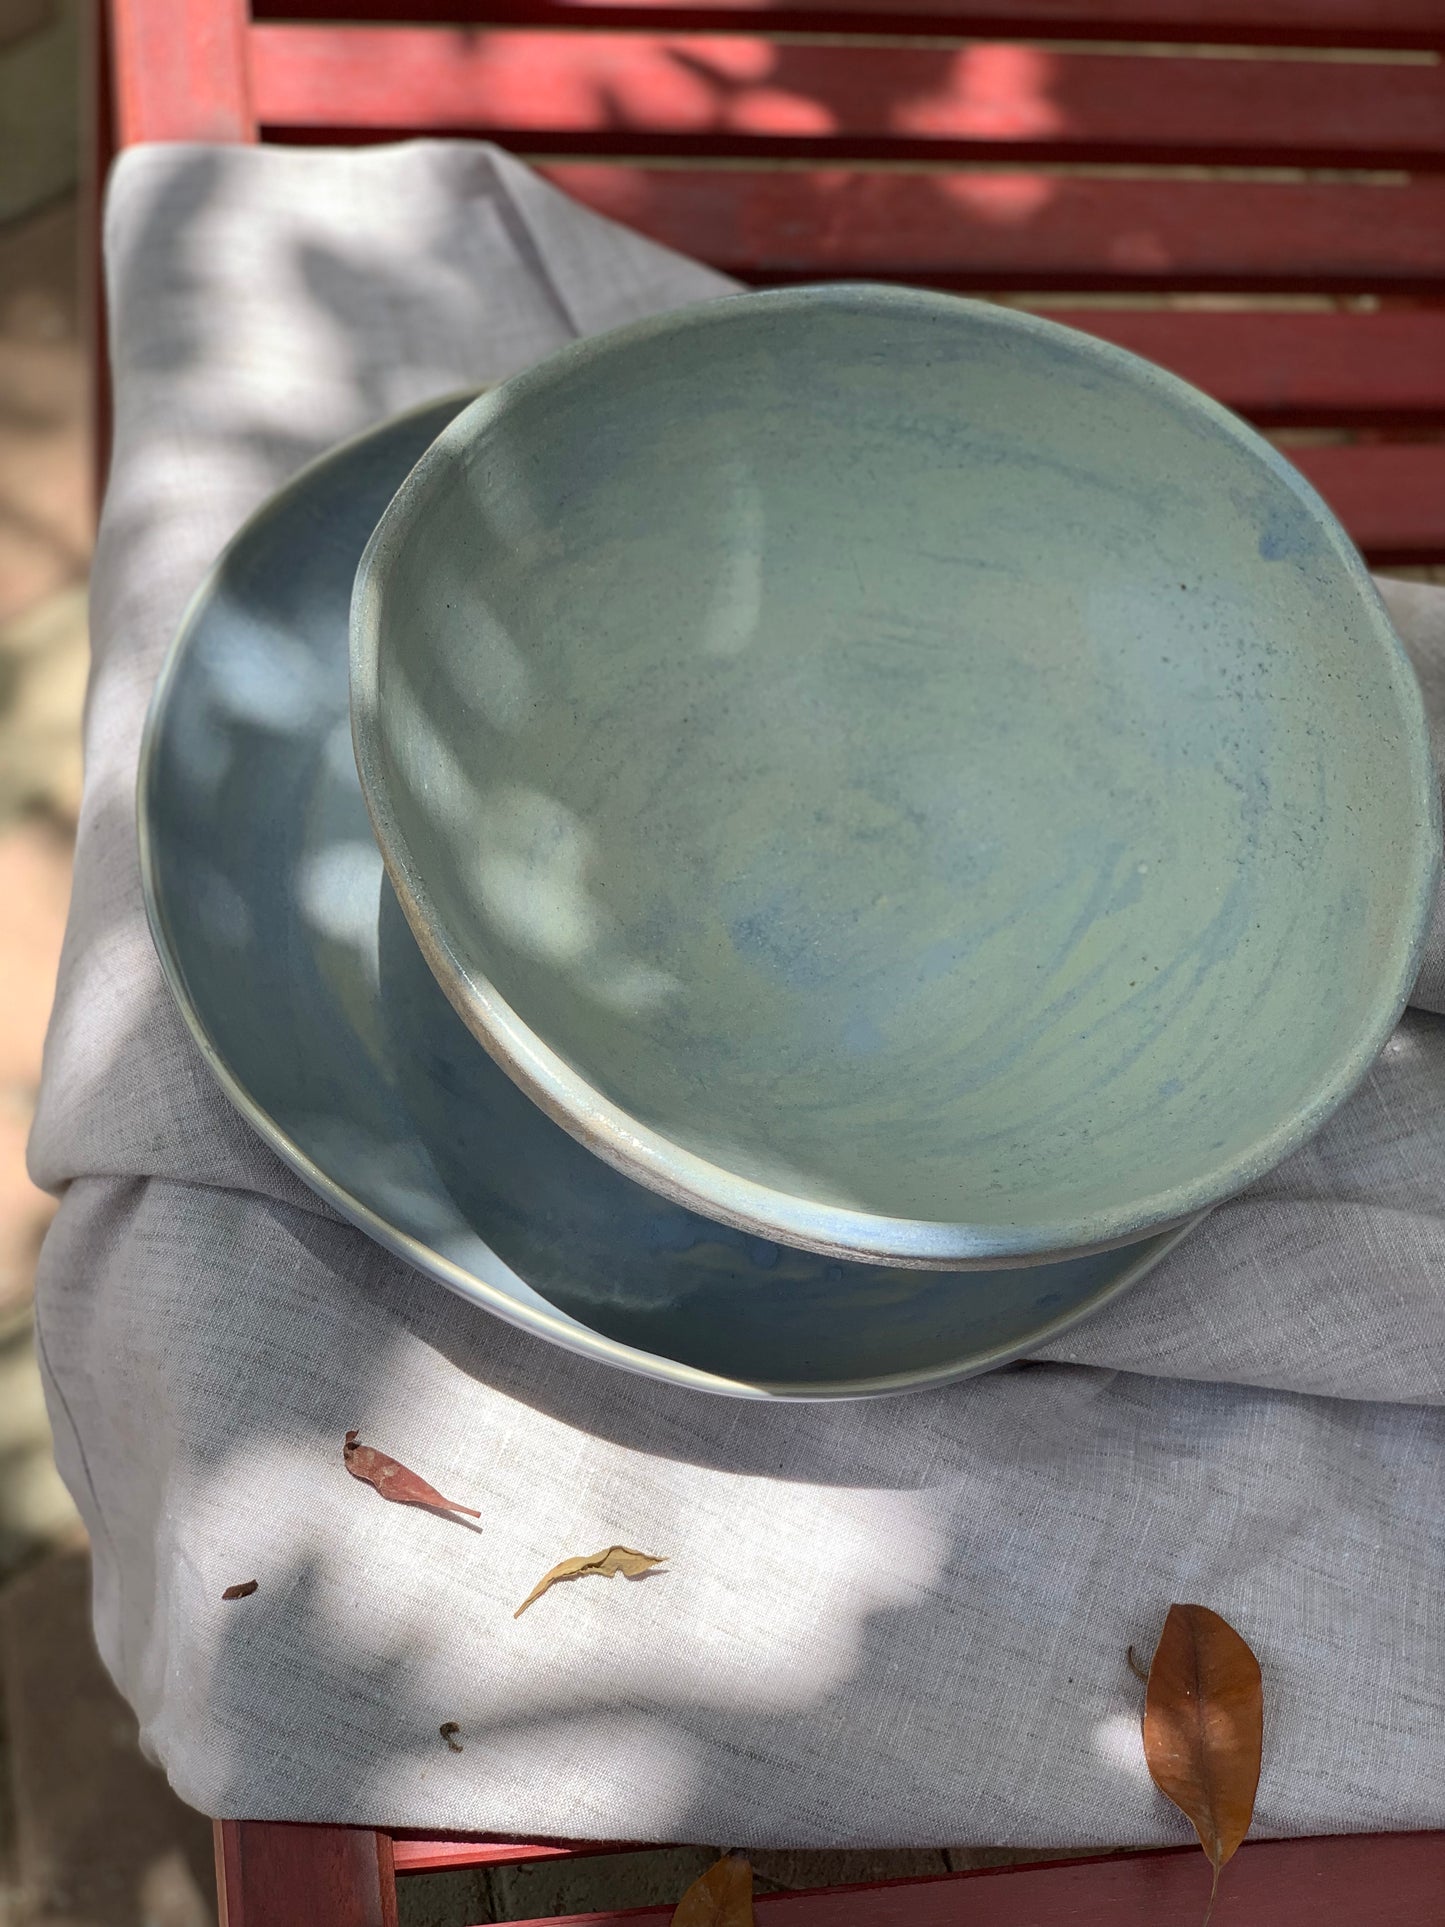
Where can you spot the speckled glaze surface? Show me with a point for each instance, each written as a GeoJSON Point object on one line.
{"type": "Point", "coordinates": [298, 977]}
{"type": "Point", "coordinates": [895, 774]}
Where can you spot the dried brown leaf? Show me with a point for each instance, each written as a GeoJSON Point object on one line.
{"type": "Point", "coordinates": [1204, 1729]}
{"type": "Point", "coordinates": [606, 1564]}
{"type": "Point", "coordinates": [722, 1897]}
{"type": "Point", "coordinates": [243, 1591]}
{"type": "Point", "coordinates": [449, 1731]}
{"type": "Point", "coordinates": [393, 1480]}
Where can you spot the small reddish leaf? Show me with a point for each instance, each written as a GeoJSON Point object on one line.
{"type": "Point", "coordinates": [1204, 1728]}
{"type": "Point", "coordinates": [394, 1481]}
{"type": "Point", "coordinates": [722, 1897]}
{"type": "Point", "coordinates": [243, 1591]}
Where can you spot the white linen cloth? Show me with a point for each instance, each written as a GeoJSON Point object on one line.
{"type": "Point", "coordinates": [899, 1622]}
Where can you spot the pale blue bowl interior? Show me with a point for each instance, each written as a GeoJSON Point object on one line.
{"type": "Point", "coordinates": [893, 773]}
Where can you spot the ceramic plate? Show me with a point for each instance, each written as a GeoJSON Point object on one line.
{"type": "Point", "coordinates": [296, 972]}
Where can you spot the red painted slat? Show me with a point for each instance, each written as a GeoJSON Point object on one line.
{"type": "Point", "coordinates": [1297, 23]}
{"type": "Point", "coordinates": [179, 71]}
{"type": "Point", "coordinates": [1286, 369]}
{"type": "Point", "coordinates": [1380, 1880]}
{"type": "Point", "coordinates": [270, 1874]}
{"type": "Point", "coordinates": [1034, 231]}
{"type": "Point", "coordinates": [631, 92]}
{"type": "Point", "coordinates": [415, 1853]}
{"type": "Point", "coordinates": [1391, 498]}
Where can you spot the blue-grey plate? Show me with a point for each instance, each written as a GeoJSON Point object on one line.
{"type": "Point", "coordinates": [296, 973]}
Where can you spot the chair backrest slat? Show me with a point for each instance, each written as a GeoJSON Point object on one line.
{"type": "Point", "coordinates": [1388, 495]}
{"type": "Point", "coordinates": [731, 95]}
{"type": "Point", "coordinates": [1287, 369]}
{"type": "Point", "coordinates": [1278, 23]}
{"type": "Point", "coordinates": [1031, 230]}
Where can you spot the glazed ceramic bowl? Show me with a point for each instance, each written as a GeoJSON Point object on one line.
{"type": "Point", "coordinates": [894, 774]}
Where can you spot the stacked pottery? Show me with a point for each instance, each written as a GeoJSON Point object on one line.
{"type": "Point", "coordinates": [890, 809]}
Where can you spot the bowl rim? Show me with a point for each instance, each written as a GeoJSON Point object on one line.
{"type": "Point", "coordinates": [652, 1158]}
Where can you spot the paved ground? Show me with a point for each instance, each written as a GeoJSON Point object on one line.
{"type": "Point", "coordinates": [89, 1834]}
{"type": "Point", "coordinates": [45, 536]}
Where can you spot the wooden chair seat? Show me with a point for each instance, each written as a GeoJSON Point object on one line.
{"type": "Point", "coordinates": [1251, 192]}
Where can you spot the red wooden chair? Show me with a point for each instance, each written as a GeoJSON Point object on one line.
{"type": "Point", "coordinates": [1018, 160]}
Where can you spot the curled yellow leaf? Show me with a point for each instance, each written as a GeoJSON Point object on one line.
{"type": "Point", "coordinates": [606, 1564]}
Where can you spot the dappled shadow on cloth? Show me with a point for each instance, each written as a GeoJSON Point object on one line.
{"type": "Point", "coordinates": [267, 325]}
{"type": "Point", "coordinates": [896, 1660]}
